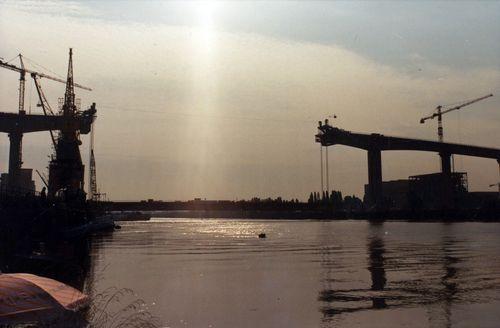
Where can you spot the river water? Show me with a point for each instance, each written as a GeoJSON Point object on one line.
{"type": "Point", "coordinates": [218, 273]}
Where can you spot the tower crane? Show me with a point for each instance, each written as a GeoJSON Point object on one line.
{"type": "Point", "coordinates": [36, 77]}
{"type": "Point", "coordinates": [22, 70]}
{"type": "Point", "coordinates": [440, 111]}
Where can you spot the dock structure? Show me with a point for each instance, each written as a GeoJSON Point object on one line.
{"type": "Point", "coordinates": [375, 143]}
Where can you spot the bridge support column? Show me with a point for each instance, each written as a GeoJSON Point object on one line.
{"type": "Point", "coordinates": [445, 163]}
{"type": "Point", "coordinates": [446, 188]}
{"type": "Point", "coordinates": [374, 176]}
{"type": "Point", "coordinates": [498, 161]}
{"type": "Point", "coordinates": [15, 159]}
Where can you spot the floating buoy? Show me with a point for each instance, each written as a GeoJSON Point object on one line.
{"type": "Point", "coordinates": [262, 235]}
{"type": "Point", "coordinates": [117, 226]}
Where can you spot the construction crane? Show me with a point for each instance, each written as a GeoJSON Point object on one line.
{"type": "Point", "coordinates": [94, 194]}
{"type": "Point", "coordinates": [440, 111]}
{"type": "Point", "coordinates": [36, 75]}
{"type": "Point", "coordinates": [22, 70]}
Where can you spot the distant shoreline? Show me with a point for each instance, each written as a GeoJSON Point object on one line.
{"type": "Point", "coordinates": [492, 215]}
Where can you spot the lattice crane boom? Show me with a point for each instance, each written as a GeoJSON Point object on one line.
{"type": "Point", "coordinates": [24, 70]}
{"type": "Point", "coordinates": [44, 104]}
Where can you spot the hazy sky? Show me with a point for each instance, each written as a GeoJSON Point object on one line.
{"type": "Point", "coordinates": [220, 100]}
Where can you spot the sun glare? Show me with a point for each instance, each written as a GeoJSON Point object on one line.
{"type": "Point", "coordinates": [205, 21]}
{"type": "Point", "coordinates": [204, 82]}
{"type": "Point", "coordinates": [205, 11]}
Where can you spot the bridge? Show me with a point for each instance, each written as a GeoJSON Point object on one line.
{"type": "Point", "coordinates": [375, 143]}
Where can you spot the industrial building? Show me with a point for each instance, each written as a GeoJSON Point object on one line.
{"type": "Point", "coordinates": [430, 192]}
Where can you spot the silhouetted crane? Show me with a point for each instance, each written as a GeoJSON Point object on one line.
{"type": "Point", "coordinates": [440, 111]}
{"type": "Point", "coordinates": [22, 70]}
{"type": "Point", "coordinates": [93, 192]}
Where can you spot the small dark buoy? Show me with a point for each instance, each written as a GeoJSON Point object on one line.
{"type": "Point", "coordinates": [118, 227]}
{"type": "Point", "coordinates": [262, 235]}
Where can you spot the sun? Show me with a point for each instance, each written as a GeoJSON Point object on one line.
{"type": "Point", "coordinates": [205, 21]}
{"type": "Point", "coordinates": [205, 11]}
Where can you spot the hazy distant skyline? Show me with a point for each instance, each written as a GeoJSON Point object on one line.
{"type": "Point", "coordinates": [220, 100]}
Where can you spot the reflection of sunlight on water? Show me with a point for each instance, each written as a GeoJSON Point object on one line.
{"type": "Point", "coordinates": [235, 229]}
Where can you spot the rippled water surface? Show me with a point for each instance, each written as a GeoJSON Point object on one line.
{"type": "Point", "coordinates": [218, 273]}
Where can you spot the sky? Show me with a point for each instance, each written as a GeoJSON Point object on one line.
{"type": "Point", "coordinates": [220, 100]}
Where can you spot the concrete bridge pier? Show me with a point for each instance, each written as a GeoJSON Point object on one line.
{"type": "Point", "coordinates": [446, 188]}
{"type": "Point", "coordinates": [445, 163]}
{"type": "Point", "coordinates": [375, 176]}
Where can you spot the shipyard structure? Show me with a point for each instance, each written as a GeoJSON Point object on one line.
{"type": "Point", "coordinates": [54, 220]}
{"type": "Point", "coordinates": [66, 170]}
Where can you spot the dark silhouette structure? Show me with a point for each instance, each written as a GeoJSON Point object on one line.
{"type": "Point", "coordinates": [375, 143]}
{"type": "Point", "coordinates": [66, 164]}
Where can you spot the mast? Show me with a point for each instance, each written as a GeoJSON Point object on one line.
{"type": "Point", "coordinates": [66, 170]}
{"type": "Point", "coordinates": [69, 96]}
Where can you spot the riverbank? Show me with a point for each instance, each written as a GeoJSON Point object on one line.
{"type": "Point", "coordinates": [450, 215]}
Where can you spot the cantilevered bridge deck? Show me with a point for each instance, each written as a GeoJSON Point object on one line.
{"type": "Point", "coordinates": [375, 143]}
{"type": "Point", "coordinates": [329, 136]}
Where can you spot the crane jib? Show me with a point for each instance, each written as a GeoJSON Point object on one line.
{"type": "Point", "coordinates": [42, 75]}
{"type": "Point", "coordinates": [454, 108]}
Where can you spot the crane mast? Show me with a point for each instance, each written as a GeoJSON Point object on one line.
{"type": "Point", "coordinates": [22, 80]}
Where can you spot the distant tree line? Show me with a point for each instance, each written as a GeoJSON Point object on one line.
{"type": "Point", "coordinates": [334, 200]}
{"type": "Point", "coordinates": [317, 201]}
